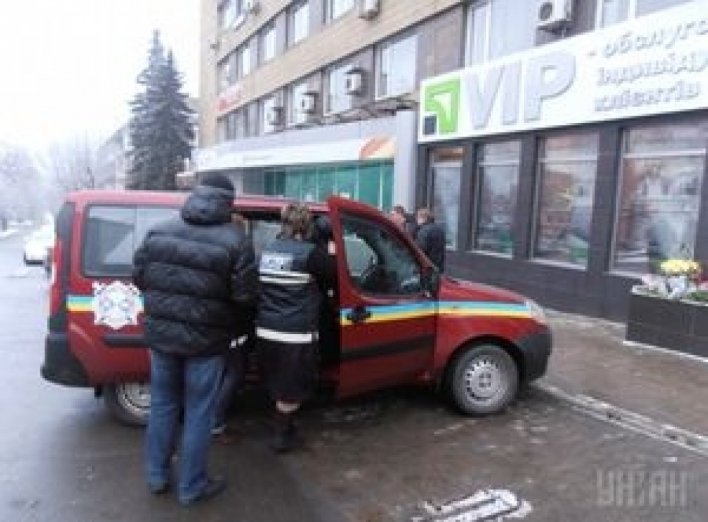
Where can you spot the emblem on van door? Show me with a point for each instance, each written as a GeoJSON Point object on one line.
{"type": "Point", "coordinates": [116, 304]}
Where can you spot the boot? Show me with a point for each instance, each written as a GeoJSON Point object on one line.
{"type": "Point", "coordinates": [285, 435]}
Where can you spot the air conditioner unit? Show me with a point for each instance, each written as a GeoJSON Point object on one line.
{"type": "Point", "coordinates": [354, 82]}
{"type": "Point", "coordinates": [251, 6]}
{"type": "Point", "coordinates": [308, 103]}
{"type": "Point", "coordinates": [274, 116]}
{"type": "Point", "coordinates": [369, 9]}
{"type": "Point", "coordinates": [553, 14]}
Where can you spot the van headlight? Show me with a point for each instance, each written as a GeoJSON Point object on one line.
{"type": "Point", "coordinates": [536, 311]}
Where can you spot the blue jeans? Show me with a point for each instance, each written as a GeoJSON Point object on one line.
{"type": "Point", "coordinates": [181, 383]}
{"type": "Point", "coordinates": [231, 381]}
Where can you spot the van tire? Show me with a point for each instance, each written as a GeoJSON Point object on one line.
{"type": "Point", "coordinates": [128, 403]}
{"type": "Point", "coordinates": [483, 380]}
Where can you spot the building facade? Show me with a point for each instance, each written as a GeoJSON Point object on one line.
{"type": "Point", "coordinates": [561, 143]}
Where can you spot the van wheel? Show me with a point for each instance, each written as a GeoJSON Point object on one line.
{"type": "Point", "coordinates": [129, 403]}
{"type": "Point", "coordinates": [483, 380]}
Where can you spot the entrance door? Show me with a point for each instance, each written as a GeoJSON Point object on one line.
{"type": "Point", "coordinates": [387, 320]}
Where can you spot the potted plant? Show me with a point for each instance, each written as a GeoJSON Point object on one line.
{"type": "Point", "coordinates": [670, 309]}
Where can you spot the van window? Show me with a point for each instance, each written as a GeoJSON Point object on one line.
{"type": "Point", "coordinates": [113, 233]}
{"type": "Point", "coordinates": [378, 261]}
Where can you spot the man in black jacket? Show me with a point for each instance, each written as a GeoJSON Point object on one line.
{"type": "Point", "coordinates": [430, 237]}
{"type": "Point", "coordinates": [198, 277]}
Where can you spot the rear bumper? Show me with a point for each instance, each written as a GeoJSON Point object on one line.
{"type": "Point", "coordinates": [60, 366]}
{"type": "Point", "coordinates": [536, 348]}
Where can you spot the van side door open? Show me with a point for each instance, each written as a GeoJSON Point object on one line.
{"type": "Point", "coordinates": [387, 318]}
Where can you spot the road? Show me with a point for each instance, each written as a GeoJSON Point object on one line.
{"type": "Point", "coordinates": [400, 455]}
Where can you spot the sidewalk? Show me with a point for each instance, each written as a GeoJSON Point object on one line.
{"type": "Point", "coordinates": [591, 358]}
{"type": "Point", "coordinates": [8, 232]}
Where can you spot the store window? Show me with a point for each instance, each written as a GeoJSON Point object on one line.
{"type": "Point", "coordinates": [488, 19]}
{"type": "Point", "coordinates": [367, 181]}
{"type": "Point", "coordinates": [336, 8]}
{"type": "Point", "coordinates": [497, 185]}
{"type": "Point", "coordinates": [337, 98]}
{"type": "Point", "coordinates": [299, 22]}
{"type": "Point", "coordinates": [614, 11]}
{"type": "Point", "coordinates": [566, 187]}
{"type": "Point", "coordinates": [659, 195]}
{"type": "Point", "coordinates": [397, 67]}
{"type": "Point", "coordinates": [444, 190]}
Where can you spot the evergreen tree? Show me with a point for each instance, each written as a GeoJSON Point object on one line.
{"type": "Point", "coordinates": [161, 131]}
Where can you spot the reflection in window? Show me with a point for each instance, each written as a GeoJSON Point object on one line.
{"type": "Point", "coordinates": [660, 195]}
{"type": "Point", "coordinates": [567, 172]}
{"type": "Point", "coordinates": [615, 11]}
{"type": "Point", "coordinates": [492, 18]}
{"type": "Point", "coordinates": [295, 113]}
{"type": "Point", "coordinates": [270, 115]}
{"type": "Point", "coordinates": [244, 58]}
{"type": "Point", "coordinates": [336, 8]}
{"type": "Point", "coordinates": [268, 43]}
{"type": "Point", "coordinates": [398, 66]}
{"type": "Point", "coordinates": [113, 234]}
{"type": "Point", "coordinates": [299, 21]}
{"type": "Point", "coordinates": [378, 261]}
{"type": "Point", "coordinates": [444, 201]}
{"type": "Point", "coordinates": [337, 98]}
{"type": "Point", "coordinates": [498, 178]}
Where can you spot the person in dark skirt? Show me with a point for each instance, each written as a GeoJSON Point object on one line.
{"type": "Point", "coordinates": [294, 275]}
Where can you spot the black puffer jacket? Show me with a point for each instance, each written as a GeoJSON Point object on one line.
{"type": "Point", "coordinates": [198, 276]}
{"type": "Point", "coordinates": [430, 237]}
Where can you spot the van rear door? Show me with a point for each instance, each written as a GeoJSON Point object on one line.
{"type": "Point", "coordinates": [387, 319]}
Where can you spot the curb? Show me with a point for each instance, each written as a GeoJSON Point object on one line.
{"type": "Point", "coordinates": [607, 412]}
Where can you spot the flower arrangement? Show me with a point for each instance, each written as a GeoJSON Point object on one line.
{"type": "Point", "coordinates": [677, 279]}
{"type": "Point", "coordinates": [681, 267]}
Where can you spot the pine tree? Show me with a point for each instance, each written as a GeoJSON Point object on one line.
{"type": "Point", "coordinates": [161, 131]}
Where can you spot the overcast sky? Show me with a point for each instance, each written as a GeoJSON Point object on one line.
{"type": "Point", "coordinates": [69, 67]}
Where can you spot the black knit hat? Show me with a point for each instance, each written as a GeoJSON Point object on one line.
{"type": "Point", "coordinates": [217, 181]}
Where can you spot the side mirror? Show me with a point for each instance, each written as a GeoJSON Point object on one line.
{"type": "Point", "coordinates": [431, 281]}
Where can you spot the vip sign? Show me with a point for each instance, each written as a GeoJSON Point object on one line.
{"type": "Point", "coordinates": [501, 96]}
{"type": "Point", "coordinates": [653, 65]}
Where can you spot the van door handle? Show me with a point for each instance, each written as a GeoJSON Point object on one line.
{"type": "Point", "coordinates": [358, 315]}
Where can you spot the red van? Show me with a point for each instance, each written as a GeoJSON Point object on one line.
{"type": "Point", "coordinates": [400, 321]}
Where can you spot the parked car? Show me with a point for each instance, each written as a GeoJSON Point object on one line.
{"type": "Point", "coordinates": [37, 246]}
{"type": "Point", "coordinates": [397, 319]}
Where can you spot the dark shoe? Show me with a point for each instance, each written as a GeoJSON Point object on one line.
{"type": "Point", "coordinates": [285, 435]}
{"type": "Point", "coordinates": [159, 489]}
{"type": "Point", "coordinates": [214, 486]}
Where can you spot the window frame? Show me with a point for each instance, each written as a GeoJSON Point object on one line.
{"type": "Point", "coordinates": [382, 61]}
{"type": "Point", "coordinates": [295, 13]}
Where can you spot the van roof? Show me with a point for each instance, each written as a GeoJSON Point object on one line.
{"type": "Point", "coordinates": [156, 197]}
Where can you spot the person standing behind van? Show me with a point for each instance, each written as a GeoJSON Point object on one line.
{"type": "Point", "coordinates": [198, 275]}
{"type": "Point", "coordinates": [404, 220]}
{"type": "Point", "coordinates": [294, 274]}
{"type": "Point", "coordinates": [430, 237]}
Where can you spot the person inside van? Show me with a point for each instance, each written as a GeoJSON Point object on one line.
{"type": "Point", "coordinates": [198, 274]}
{"type": "Point", "coordinates": [294, 276]}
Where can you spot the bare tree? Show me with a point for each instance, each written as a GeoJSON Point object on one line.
{"type": "Point", "coordinates": [73, 164]}
{"type": "Point", "coordinates": [21, 188]}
